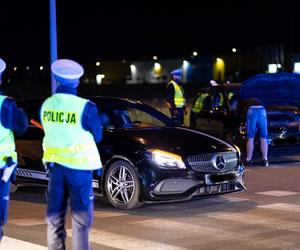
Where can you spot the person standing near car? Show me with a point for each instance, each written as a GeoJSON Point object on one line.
{"type": "Point", "coordinates": [199, 103]}
{"type": "Point", "coordinates": [176, 101]}
{"type": "Point", "coordinates": [253, 112]}
{"type": "Point", "coordinates": [71, 126]}
{"type": "Point", "coordinates": [12, 120]}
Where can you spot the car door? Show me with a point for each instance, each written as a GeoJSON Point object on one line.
{"type": "Point", "coordinates": [212, 117]}
{"type": "Point", "coordinates": [29, 145]}
{"type": "Point", "coordinates": [203, 116]}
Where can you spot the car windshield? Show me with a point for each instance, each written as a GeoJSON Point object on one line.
{"type": "Point", "coordinates": [132, 116]}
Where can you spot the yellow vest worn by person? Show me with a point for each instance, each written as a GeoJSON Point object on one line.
{"type": "Point", "coordinates": [199, 103]}
{"type": "Point", "coordinates": [179, 99]}
{"type": "Point", "coordinates": [65, 141]}
{"type": "Point", "coordinates": [7, 141]}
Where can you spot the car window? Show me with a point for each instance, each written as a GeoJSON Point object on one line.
{"type": "Point", "coordinates": [127, 117]}
{"type": "Point", "coordinates": [218, 101]}
{"type": "Point", "coordinates": [140, 118]}
{"type": "Point", "coordinates": [233, 97]}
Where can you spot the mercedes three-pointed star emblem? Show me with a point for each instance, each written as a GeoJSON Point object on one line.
{"type": "Point", "coordinates": [218, 162]}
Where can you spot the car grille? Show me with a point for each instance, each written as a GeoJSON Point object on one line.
{"type": "Point", "coordinates": [204, 162]}
{"type": "Point", "coordinates": [278, 130]}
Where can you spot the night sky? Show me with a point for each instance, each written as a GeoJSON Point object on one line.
{"type": "Point", "coordinates": [97, 30]}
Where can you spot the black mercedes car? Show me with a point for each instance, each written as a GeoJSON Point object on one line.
{"type": "Point", "coordinates": [280, 94]}
{"type": "Point", "coordinates": [145, 157]}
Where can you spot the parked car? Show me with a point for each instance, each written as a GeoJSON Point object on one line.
{"type": "Point", "coordinates": [280, 94]}
{"type": "Point", "coordinates": [145, 157]}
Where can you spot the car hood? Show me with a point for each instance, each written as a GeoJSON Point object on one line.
{"type": "Point", "coordinates": [179, 140]}
{"type": "Point", "coordinates": [283, 109]}
{"type": "Point", "coordinates": [279, 88]}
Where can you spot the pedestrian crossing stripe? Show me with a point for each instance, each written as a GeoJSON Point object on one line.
{"type": "Point", "coordinates": [250, 219]}
{"type": "Point", "coordinates": [282, 207]}
{"type": "Point", "coordinates": [9, 243]}
{"type": "Point", "coordinates": [221, 233]}
{"type": "Point", "coordinates": [119, 241]}
{"type": "Point", "coordinates": [277, 193]}
{"type": "Point", "coordinates": [25, 222]}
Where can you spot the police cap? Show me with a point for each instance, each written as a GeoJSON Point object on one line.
{"type": "Point", "coordinates": [177, 72]}
{"type": "Point", "coordinates": [2, 66]}
{"type": "Point", "coordinates": [67, 72]}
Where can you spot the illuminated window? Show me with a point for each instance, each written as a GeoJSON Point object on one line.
{"type": "Point", "coordinates": [297, 67]}
{"type": "Point", "coordinates": [99, 78]}
{"type": "Point", "coordinates": [272, 68]}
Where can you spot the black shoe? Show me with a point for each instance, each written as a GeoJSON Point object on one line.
{"type": "Point", "coordinates": [265, 163]}
{"type": "Point", "coordinates": [248, 163]}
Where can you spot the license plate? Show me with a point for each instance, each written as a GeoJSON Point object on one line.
{"type": "Point", "coordinates": [219, 178]}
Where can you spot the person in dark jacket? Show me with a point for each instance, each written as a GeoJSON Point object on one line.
{"type": "Point", "coordinates": [72, 128]}
{"type": "Point", "coordinates": [253, 112]}
{"type": "Point", "coordinates": [12, 120]}
{"type": "Point", "coordinates": [176, 101]}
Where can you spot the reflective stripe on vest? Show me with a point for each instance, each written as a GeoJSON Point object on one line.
{"type": "Point", "coordinates": [199, 103]}
{"type": "Point", "coordinates": [65, 141]}
{"type": "Point", "coordinates": [179, 99]}
{"type": "Point", "coordinates": [7, 141]}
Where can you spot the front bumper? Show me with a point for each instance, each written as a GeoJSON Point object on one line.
{"type": "Point", "coordinates": [189, 184]}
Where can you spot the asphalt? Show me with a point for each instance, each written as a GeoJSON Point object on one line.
{"type": "Point", "coordinates": [265, 216]}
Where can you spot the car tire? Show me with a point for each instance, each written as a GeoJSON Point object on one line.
{"type": "Point", "coordinates": [123, 186]}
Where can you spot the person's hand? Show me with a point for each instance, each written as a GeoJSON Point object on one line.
{"type": "Point", "coordinates": [99, 172]}
{"type": "Point", "coordinates": [13, 176]}
{"type": "Point", "coordinates": [176, 112]}
{"type": "Point", "coordinates": [185, 111]}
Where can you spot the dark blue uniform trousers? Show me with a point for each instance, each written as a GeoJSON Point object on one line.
{"type": "Point", "coordinates": [4, 201]}
{"type": "Point", "coordinates": [74, 187]}
{"type": "Point", "coordinates": [177, 114]}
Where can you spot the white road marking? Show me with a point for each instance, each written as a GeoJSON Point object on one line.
{"type": "Point", "coordinates": [236, 199]}
{"type": "Point", "coordinates": [209, 234]}
{"type": "Point", "coordinates": [277, 193]}
{"type": "Point", "coordinates": [282, 207]}
{"type": "Point", "coordinates": [27, 222]}
{"type": "Point", "coordinates": [107, 214]}
{"type": "Point", "coordinates": [9, 243]}
{"type": "Point", "coordinates": [126, 242]}
{"type": "Point", "coordinates": [249, 219]}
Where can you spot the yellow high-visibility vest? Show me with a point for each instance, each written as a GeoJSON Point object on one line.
{"type": "Point", "coordinates": [65, 141]}
{"type": "Point", "coordinates": [7, 141]}
{"type": "Point", "coordinates": [179, 99]}
{"type": "Point", "coordinates": [198, 104]}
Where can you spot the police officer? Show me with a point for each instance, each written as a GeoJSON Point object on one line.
{"type": "Point", "coordinates": [176, 101]}
{"type": "Point", "coordinates": [72, 126]}
{"type": "Point", "coordinates": [12, 119]}
{"type": "Point", "coordinates": [199, 103]}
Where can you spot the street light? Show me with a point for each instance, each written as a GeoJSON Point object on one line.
{"type": "Point", "coordinates": [195, 53]}
{"type": "Point", "coordinates": [234, 50]}
{"type": "Point", "coordinates": [98, 64]}
{"type": "Point", "coordinates": [154, 58]}
{"type": "Point", "coordinates": [53, 40]}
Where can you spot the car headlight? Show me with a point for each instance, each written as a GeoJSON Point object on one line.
{"type": "Point", "coordinates": [166, 159]}
{"type": "Point", "coordinates": [242, 130]}
{"type": "Point", "coordinates": [238, 150]}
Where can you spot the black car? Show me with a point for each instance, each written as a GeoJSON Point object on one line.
{"type": "Point", "coordinates": [280, 94]}
{"type": "Point", "coordinates": [145, 157]}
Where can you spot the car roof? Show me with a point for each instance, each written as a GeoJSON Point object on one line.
{"type": "Point", "coordinates": [226, 86]}
{"type": "Point", "coordinates": [97, 99]}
